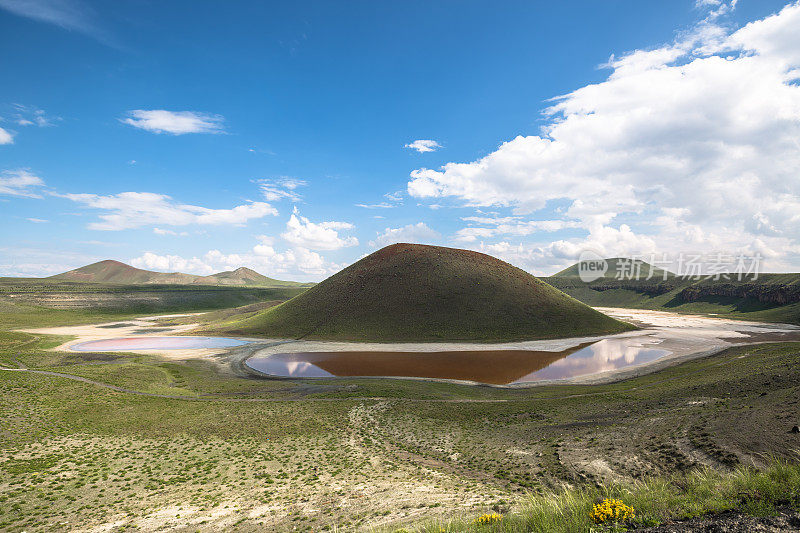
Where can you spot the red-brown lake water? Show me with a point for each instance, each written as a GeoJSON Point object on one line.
{"type": "Point", "coordinates": [497, 367]}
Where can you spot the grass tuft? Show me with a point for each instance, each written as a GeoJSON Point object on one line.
{"type": "Point", "coordinates": [656, 500]}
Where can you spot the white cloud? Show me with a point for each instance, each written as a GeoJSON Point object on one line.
{"type": "Point", "coordinates": [301, 232]}
{"type": "Point", "coordinates": [285, 187]}
{"type": "Point", "coordinates": [159, 231]}
{"type": "Point", "coordinates": [394, 199]}
{"type": "Point", "coordinates": [171, 263]}
{"type": "Point", "coordinates": [136, 209]}
{"type": "Point", "coordinates": [546, 258]}
{"type": "Point", "coordinates": [25, 116]}
{"type": "Point", "coordinates": [605, 240]}
{"type": "Point", "coordinates": [20, 182]}
{"type": "Point", "coordinates": [418, 233]}
{"type": "Point", "coordinates": [32, 116]}
{"type": "Point", "coordinates": [298, 259]}
{"type": "Point", "coordinates": [705, 129]}
{"type": "Point", "coordinates": [292, 183]}
{"type": "Point", "coordinates": [37, 220]}
{"type": "Point", "coordinates": [716, 8]}
{"type": "Point", "coordinates": [296, 263]}
{"type": "Point", "coordinates": [423, 145]}
{"type": "Point", "coordinates": [396, 196]}
{"type": "Point", "coordinates": [6, 137]}
{"type": "Point", "coordinates": [174, 122]}
{"type": "Point", "coordinates": [381, 205]}
{"type": "Point", "coordinates": [67, 14]}
{"type": "Point", "coordinates": [508, 226]}
{"type": "Point", "coordinates": [31, 262]}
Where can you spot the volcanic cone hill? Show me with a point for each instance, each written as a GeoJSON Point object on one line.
{"type": "Point", "coordinates": [411, 292]}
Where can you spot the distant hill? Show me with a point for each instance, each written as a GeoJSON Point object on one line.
{"type": "Point", "coordinates": [115, 272]}
{"type": "Point", "coordinates": [411, 292]}
{"type": "Point", "coordinates": [246, 276]}
{"type": "Point", "coordinates": [766, 297]}
{"type": "Point", "coordinates": [623, 265]}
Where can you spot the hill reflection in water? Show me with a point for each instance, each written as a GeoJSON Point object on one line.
{"type": "Point", "coordinates": [497, 367]}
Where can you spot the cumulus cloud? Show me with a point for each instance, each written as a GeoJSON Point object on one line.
{"type": "Point", "coordinates": [423, 145]}
{"type": "Point", "coordinates": [174, 122]}
{"type": "Point", "coordinates": [136, 209]}
{"type": "Point", "coordinates": [171, 263]}
{"type": "Point", "coordinates": [295, 263]}
{"type": "Point", "coordinates": [6, 137]}
{"type": "Point", "coordinates": [419, 233]}
{"type": "Point", "coordinates": [301, 232]}
{"type": "Point", "coordinates": [20, 182]}
{"type": "Point", "coordinates": [297, 258]}
{"type": "Point", "coordinates": [547, 258]}
{"type": "Point", "coordinates": [697, 137]}
{"type": "Point", "coordinates": [513, 225]}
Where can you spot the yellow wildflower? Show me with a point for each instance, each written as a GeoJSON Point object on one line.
{"type": "Point", "coordinates": [611, 510]}
{"type": "Point", "coordinates": [486, 519]}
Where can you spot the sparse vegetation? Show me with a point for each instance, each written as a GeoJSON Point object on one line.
{"type": "Point", "coordinates": [656, 500]}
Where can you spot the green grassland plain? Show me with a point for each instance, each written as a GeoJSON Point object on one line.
{"type": "Point", "coordinates": [34, 302]}
{"type": "Point", "coordinates": [120, 441]}
{"type": "Point", "coordinates": [189, 448]}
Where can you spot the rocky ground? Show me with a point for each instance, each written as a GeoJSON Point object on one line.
{"type": "Point", "coordinates": [787, 520]}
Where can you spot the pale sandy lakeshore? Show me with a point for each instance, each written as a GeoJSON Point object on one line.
{"type": "Point", "coordinates": [139, 328]}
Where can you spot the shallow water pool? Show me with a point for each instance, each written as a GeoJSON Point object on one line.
{"type": "Point", "coordinates": [123, 344]}
{"type": "Point", "coordinates": [497, 367]}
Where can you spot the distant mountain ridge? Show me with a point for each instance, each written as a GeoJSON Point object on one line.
{"type": "Point", "coordinates": [768, 297]}
{"type": "Point", "coordinates": [116, 272]}
{"type": "Point", "coordinates": [625, 266]}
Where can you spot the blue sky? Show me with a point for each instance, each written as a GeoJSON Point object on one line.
{"type": "Point", "coordinates": [296, 137]}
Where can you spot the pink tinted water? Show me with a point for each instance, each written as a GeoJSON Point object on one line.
{"type": "Point", "coordinates": [122, 344]}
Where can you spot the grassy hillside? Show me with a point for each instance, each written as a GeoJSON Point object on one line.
{"type": "Point", "coordinates": [770, 297]}
{"type": "Point", "coordinates": [630, 268]}
{"type": "Point", "coordinates": [682, 498]}
{"type": "Point", "coordinates": [408, 292]}
{"type": "Point", "coordinates": [115, 272]}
